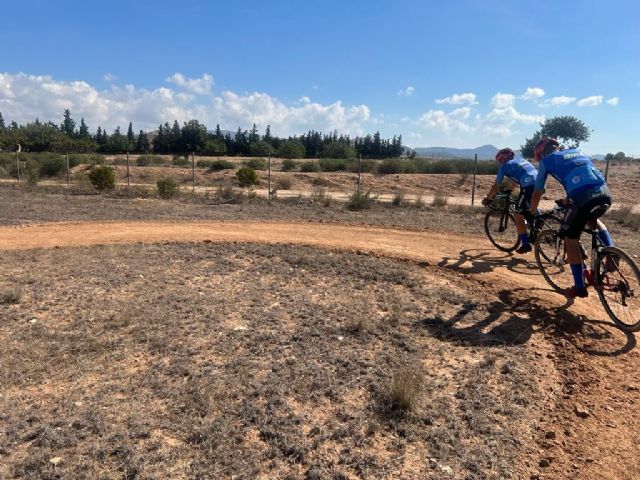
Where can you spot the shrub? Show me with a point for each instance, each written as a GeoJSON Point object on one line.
{"type": "Point", "coordinates": [398, 199]}
{"type": "Point", "coordinates": [218, 165]}
{"type": "Point", "coordinates": [389, 167]}
{"type": "Point", "coordinates": [102, 178]}
{"type": "Point", "coordinates": [256, 164]}
{"type": "Point", "coordinates": [419, 203]}
{"type": "Point", "coordinates": [284, 183]}
{"type": "Point", "coordinates": [319, 195]}
{"type": "Point", "coordinates": [182, 161]}
{"type": "Point", "coordinates": [11, 296]}
{"type": "Point", "coordinates": [288, 165]}
{"type": "Point", "coordinates": [440, 200]}
{"type": "Point", "coordinates": [3, 173]}
{"type": "Point", "coordinates": [332, 164]}
{"type": "Point", "coordinates": [167, 188]}
{"type": "Point", "coordinates": [247, 177]}
{"type": "Point", "coordinates": [403, 392]}
{"type": "Point", "coordinates": [204, 163]}
{"type": "Point", "coordinates": [310, 167]}
{"type": "Point", "coordinates": [32, 171]}
{"type": "Point", "coordinates": [365, 166]}
{"type": "Point", "coordinates": [146, 160]}
{"type": "Point", "coordinates": [360, 200]}
{"type": "Point", "coordinates": [52, 167]}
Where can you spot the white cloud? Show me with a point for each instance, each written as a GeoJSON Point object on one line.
{"type": "Point", "coordinates": [500, 120]}
{"type": "Point", "coordinates": [458, 99]}
{"type": "Point", "coordinates": [503, 100]}
{"type": "Point", "coordinates": [447, 122]}
{"type": "Point", "coordinates": [560, 101]}
{"type": "Point", "coordinates": [110, 77]}
{"type": "Point", "coordinates": [613, 101]}
{"type": "Point", "coordinates": [533, 93]}
{"type": "Point", "coordinates": [592, 101]}
{"type": "Point", "coordinates": [24, 97]}
{"type": "Point", "coordinates": [199, 86]}
{"type": "Point", "coordinates": [407, 92]}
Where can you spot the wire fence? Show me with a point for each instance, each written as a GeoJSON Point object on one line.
{"type": "Point", "coordinates": [460, 181]}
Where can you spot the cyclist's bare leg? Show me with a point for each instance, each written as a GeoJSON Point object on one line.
{"type": "Point", "coordinates": [520, 225]}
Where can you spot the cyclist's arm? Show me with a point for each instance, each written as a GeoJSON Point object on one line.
{"type": "Point", "coordinates": [494, 189]}
{"type": "Point", "coordinates": [496, 186]}
{"type": "Point", "coordinates": [541, 179]}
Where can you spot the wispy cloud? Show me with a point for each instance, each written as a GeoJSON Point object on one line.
{"type": "Point", "coordinates": [560, 100]}
{"type": "Point", "coordinates": [592, 101]}
{"type": "Point", "coordinates": [110, 77]}
{"type": "Point", "coordinates": [533, 93]}
{"type": "Point", "coordinates": [200, 86]}
{"type": "Point", "coordinates": [613, 101]}
{"type": "Point", "coordinates": [406, 92]}
{"type": "Point", "coordinates": [458, 99]}
{"type": "Point", "coordinates": [503, 100]}
{"type": "Point", "coordinates": [447, 122]}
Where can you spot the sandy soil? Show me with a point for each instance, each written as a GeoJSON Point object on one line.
{"type": "Point", "coordinates": [592, 432]}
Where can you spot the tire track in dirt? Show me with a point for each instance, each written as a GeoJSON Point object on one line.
{"type": "Point", "coordinates": [598, 362]}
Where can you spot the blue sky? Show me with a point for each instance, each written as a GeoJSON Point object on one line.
{"type": "Point", "coordinates": [461, 73]}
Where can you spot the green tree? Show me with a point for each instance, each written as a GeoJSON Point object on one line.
{"type": "Point", "coordinates": [260, 148]}
{"type": "Point", "coordinates": [565, 129]}
{"type": "Point", "coordinates": [83, 132]}
{"type": "Point", "coordinates": [68, 124]}
{"type": "Point", "coordinates": [130, 137]}
{"type": "Point", "coordinates": [142, 143]}
{"type": "Point", "coordinates": [619, 156]}
{"type": "Point", "coordinates": [291, 149]}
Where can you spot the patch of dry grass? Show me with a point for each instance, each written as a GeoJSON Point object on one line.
{"type": "Point", "coordinates": [228, 360]}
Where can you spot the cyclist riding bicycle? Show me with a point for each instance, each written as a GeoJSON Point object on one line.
{"type": "Point", "coordinates": [588, 199]}
{"type": "Point", "coordinates": [524, 174]}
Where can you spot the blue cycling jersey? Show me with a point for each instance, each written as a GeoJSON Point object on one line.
{"type": "Point", "coordinates": [518, 170]}
{"type": "Point", "coordinates": [572, 168]}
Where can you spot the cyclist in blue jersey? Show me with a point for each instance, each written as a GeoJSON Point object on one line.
{"type": "Point", "coordinates": [588, 199]}
{"type": "Point", "coordinates": [524, 174]}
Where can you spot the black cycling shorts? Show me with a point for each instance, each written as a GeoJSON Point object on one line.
{"type": "Point", "coordinates": [523, 203]}
{"type": "Point", "coordinates": [585, 206]}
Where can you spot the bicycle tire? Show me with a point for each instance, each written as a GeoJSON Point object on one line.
{"type": "Point", "coordinates": [495, 228]}
{"type": "Point", "coordinates": [550, 257]}
{"type": "Point", "coordinates": [625, 286]}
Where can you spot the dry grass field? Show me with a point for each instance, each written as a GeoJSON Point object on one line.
{"type": "Point", "coordinates": [190, 339]}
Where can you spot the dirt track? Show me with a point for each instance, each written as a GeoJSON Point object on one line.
{"type": "Point", "coordinates": [600, 373]}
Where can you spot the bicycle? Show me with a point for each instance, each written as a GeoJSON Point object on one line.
{"type": "Point", "coordinates": [500, 223]}
{"type": "Point", "coordinates": [613, 274]}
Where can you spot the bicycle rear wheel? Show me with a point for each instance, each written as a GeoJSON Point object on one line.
{"type": "Point", "coordinates": [618, 285]}
{"type": "Point", "coordinates": [500, 228]}
{"type": "Point", "coordinates": [552, 260]}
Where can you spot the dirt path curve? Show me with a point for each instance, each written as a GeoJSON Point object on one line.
{"type": "Point", "coordinates": [599, 366]}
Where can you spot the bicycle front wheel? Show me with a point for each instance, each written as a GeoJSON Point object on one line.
{"type": "Point", "coordinates": [552, 260]}
{"type": "Point", "coordinates": [618, 285]}
{"type": "Point", "coordinates": [500, 228]}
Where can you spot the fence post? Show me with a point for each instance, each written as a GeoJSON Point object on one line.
{"type": "Point", "coordinates": [606, 171]}
{"type": "Point", "coordinates": [18, 162]}
{"type": "Point", "coordinates": [193, 171]}
{"type": "Point", "coordinates": [128, 174]}
{"type": "Point", "coordinates": [473, 187]}
{"type": "Point", "coordinates": [359, 170]}
{"type": "Point", "coordinates": [269, 180]}
{"type": "Point", "coordinates": [67, 162]}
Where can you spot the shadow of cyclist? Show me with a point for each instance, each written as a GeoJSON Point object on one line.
{"type": "Point", "coordinates": [486, 260]}
{"type": "Point", "coordinates": [518, 314]}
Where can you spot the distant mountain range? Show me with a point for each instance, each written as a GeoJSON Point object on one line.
{"type": "Point", "coordinates": [485, 152]}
